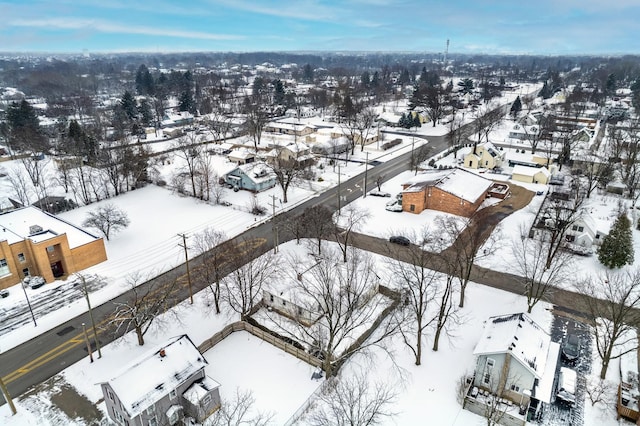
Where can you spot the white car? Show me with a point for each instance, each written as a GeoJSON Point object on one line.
{"type": "Point", "coordinates": [394, 207]}
{"type": "Point", "coordinates": [377, 193]}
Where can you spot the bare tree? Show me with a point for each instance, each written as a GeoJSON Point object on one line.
{"type": "Point", "coordinates": [256, 119]}
{"type": "Point", "coordinates": [212, 256]}
{"type": "Point", "coordinates": [354, 401]}
{"type": "Point", "coordinates": [418, 285]}
{"type": "Point", "coordinates": [419, 156]}
{"type": "Point", "coordinates": [217, 189]}
{"type": "Point", "coordinates": [613, 300]}
{"type": "Point", "coordinates": [188, 149]}
{"type": "Point", "coordinates": [289, 165]}
{"type": "Point", "coordinates": [350, 219]}
{"type": "Point", "coordinates": [364, 124]}
{"type": "Point", "coordinates": [144, 306]}
{"type": "Point", "coordinates": [558, 216]}
{"type": "Point", "coordinates": [20, 186]}
{"type": "Point", "coordinates": [240, 411]}
{"type": "Point", "coordinates": [341, 296]}
{"type": "Point", "coordinates": [108, 219]}
{"type": "Point", "coordinates": [465, 237]}
{"type": "Point", "coordinates": [317, 223]}
{"type": "Point", "coordinates": [446, 318]}
{"type": "Point", "coordinates": [244, 285]}
{"type": "Point", "coordinates": [37, 171]}
{"type": "Point", "coordinates": [595, 172]}
{"type": "Point", "coordinates": [457, 134]}
{"type": "Point", "coordinates": [538, 279]}
{"type": "Point", "coordinates": [600, 391]}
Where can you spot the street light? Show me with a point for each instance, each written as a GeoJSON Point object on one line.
{"type": "Point", "coordinates": [93, 323]}
{"type": "Point", "coordinates": [86, 339]}
{"type": "Point", "coordinates": [35, 324]}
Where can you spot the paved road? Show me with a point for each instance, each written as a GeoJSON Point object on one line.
{"type": "Point", "coordinates": [46, 355]}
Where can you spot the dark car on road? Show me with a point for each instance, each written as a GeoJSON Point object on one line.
{"type": "Point", "coordinates": [399, 239]}
{"type": "Point", "coordinates": [571, 348]}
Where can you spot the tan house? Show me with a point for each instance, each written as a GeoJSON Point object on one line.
{"type": "Point", "coordinates": [33, 242]}
{"type": "Point", "coordinates": [294, 129]}
{"type": "Point", "coordinates": [456, 191]}
{"type": "Point", "coordinates": [485, 155]}
{"type": "Point", "coordinates": [297, 152]}
{"type": "Point", "coordinates": [531, 174]}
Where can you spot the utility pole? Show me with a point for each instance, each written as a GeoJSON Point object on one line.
{"type": "Point", "coordinates": [339, 188]}
{"type": "Point", "coordinates": [274, 228]}
{"type": "Point", "coordinates": [364, 183]}
{"type": "Point", "coordinates": [93, 323]}
{"type": "Point", "coordinates": [7, 397]}
{"type": "Point", "coordinates": [186, 258]}
{"type": "Point", "coordinates": [86, 339]}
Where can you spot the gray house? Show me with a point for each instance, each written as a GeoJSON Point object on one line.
{"type": "Point", "coordinates": [516, 359]}
{"type": "Point", "coordinates": [162, 387]}
{"type": "Point", "coordinates": [254, 177]}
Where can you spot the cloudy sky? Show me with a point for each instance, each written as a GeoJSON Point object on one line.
{"type": "Point", "coordinates": [482, 26]}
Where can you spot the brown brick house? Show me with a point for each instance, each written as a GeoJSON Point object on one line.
{"type": "Point", "coordinates": [33, 242]}
{"type": "Point", "coordinates": [454, 191]}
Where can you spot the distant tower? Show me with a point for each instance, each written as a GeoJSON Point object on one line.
{"type": "Point", "coordinates": [446, 52]}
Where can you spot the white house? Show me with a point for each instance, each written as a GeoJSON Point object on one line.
{"type": "Point", "coordinates": [586, 231]}
{"type": "Point", "coordinates": [516, 359]}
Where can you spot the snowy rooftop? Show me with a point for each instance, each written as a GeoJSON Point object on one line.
{"type": "Point", "coordinates": [519, 169]}
{"type": "Point", "coordinates": [150, 377]}
{"type": "Point", "coordinates": [459, 182]}
{"type": "Point", "coordinates": [517, 333]}
{"type": "Point", "coordinates": [16, 226]}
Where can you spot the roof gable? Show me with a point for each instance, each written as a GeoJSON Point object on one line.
{"type": "Point", "coordinates": [518, 334]}
{"type": "Point", "coordinates": [154, 374]}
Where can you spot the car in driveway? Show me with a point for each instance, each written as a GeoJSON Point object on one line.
{"type": "Point", "coordinates": [400, 239]}
{"type": "Point", "coordinates": [571, 347]}
{"type": "Point", "coordinates": [4, 293]}
{"type": "Point", "coordinates": [394, 207]}
{"type": "Point", "coordinates": [378, 193]}
{"type": "Point", "coordinates": [567, 386]}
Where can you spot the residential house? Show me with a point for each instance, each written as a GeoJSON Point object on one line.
{"type": "Point", "coordinates": [528, 174]}
{"type": "Point", "coordinates": [485, 155]}
{"type": "Point", "coordinates": [586, 232]}
{"type": "Point", "coordinates": [628, 402]}
{"type": "Point", "coordinates": [162, 387]}
{"type": "Point", "coordinates": [174, 119]}
{"type": "Point", "coordinates": [241, 156]}
{"type": "Point", "coordinates": [524, 132]}
{"type": "Point", "coordinates": [255, 177]}
{"type": "Point", "coordinates": [516, 359]}
{"type": "Point", "coordinates": [456, 191]}
{"type": "Point", "coordinates": [293, 152]}
{"type": "Point", "coordinates": [33, 242]}
{"type": "Point", "coordinates": [294, 129]}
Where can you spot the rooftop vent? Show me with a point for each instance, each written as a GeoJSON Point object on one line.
{"type": "Point", "coordinates": [34, 229]}
{"type": "Point", "coordinates": [162, 353]}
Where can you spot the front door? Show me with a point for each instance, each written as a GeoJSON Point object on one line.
{"type": "Point", "coordinates": [57, 270]}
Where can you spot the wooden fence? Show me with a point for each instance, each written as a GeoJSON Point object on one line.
{"type": "Point", "coordinates": [261, 334]}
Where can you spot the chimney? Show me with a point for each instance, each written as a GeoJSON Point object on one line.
{"type": "Point", "coordinates": [162, 353]}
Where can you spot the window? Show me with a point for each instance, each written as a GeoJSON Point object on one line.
{"type": "Point", "coordinates": [488, 369]}
{"type": "Point", "coordinates": [574, 228]}
{"type": "Point", "coordinates": [153, 421]}
{"type": "Point", "coordinates": [412, 207]}
{"type": "Point", "coordinates": [25, 272]}
{"type": "Point", "coordinates": [271, 298]}
{"type": "Point", "coordinates": [4, 267]}
{"type": "Point", "coordinates": [597, 236]}
{"type": "Point", "coordinates": [151, 409]}
{"type": "Point", "coordinates": [110, 395]}
{"type": "Point", "coordinates": [50, 249]}
{"type": "Point", "coordinates": [172, 394]}
{"type": "Point", "coordinates": [206, 400]}
{"type": "Point", "coordinates": [21, 257]}
{"type": "Point", "coordinates": [580, 228]}
{"type": "Point", "coordinates": [515, 388]}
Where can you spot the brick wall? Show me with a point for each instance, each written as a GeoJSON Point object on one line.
{"type": "Point", "coordinates": [434, 198]}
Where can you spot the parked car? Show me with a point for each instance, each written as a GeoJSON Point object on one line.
{"type": "Point", "coordinates": [377, 193]}
{"type": "Point", "coordinates": [394, 207]}
{"type": "Point", "coordinates": [33, 282]}
{"type": "Point", "coordinates": [4, 293]}
{"type": "Point", "coordinates": [399, 239]}
{"type": "Point", "coordinates": [567, 386]}
{"type": "Point", "coordinates": [571, 347]}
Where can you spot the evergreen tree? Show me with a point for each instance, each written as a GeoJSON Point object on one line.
{"type": "Point", "coordinates": [144, 81]}
{"type": "Point", "coordinates": [146, 115]}
{"type": "Point", "coordinates": [546, 91]}
{"type": "Point", "coordinates": [186, 103]}
{"type": "Point", "coordinates": [307, 73]}
{"type": "Point", "coordinates": [278, 92]}
{"type": "Point", "coordinates": [516, 107]}
{"type": "Point", "coordinates": [416, 121]}
{"type": "Point", "coordinates": [617, 247]}
{"type": "Point", "coordinates": [405, 78]}
{"type": "Point", "coordinates": [23, 130]}
{"type": "Point", "coordinates": [465, 86]}
{"type": "Point", "coordinates": [128, 104]}
{"type": "Point", "coordinates": [449, 88]}
{"type": "Point", "coordinates": [403, 121]}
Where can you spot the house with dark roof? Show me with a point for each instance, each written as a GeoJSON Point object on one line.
{"type": "Point", "coordinates": [456, 191]}
{"type": "Point", "coordinates": [162, 387]}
